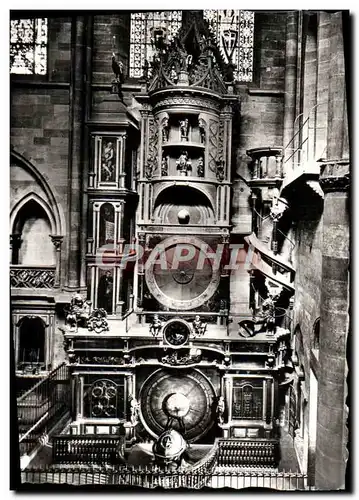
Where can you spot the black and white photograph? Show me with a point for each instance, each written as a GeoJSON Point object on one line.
{"type": "Point", "coordinates": [180, 250]}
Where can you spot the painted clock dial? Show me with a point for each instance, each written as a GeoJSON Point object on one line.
{"type": "Point", "coordinates": [180, 400]}
{"type": "Point", "coordinates": [181, 284]}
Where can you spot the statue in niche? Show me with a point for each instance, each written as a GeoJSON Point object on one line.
{"type": "Point", "coordinates": [202, 130]}
{"type": "Point", "coordinates": [105, 292]}
{"type": "Point", "coordinates": [155, 326]}
{"type": "Point", "coordinates": [184, 129]}
{"type": "Point", "coordinates": [200, 168]}
{"type": "Point", "coordinates": [165, 130]}
{"type": "Point", "coordinates": [184, 165]}
{"type": "Point", "coordinates": [164, 166]}
{"type": "Point", "coordinates": [108, 163]}
{"type": "Point", "coordinates": [135, 407]}
{"type": "Point", "coordinates": [220, 410]}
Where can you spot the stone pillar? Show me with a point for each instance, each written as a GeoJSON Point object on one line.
{"type": "Point", "coordinates": [75, 181]}
{"type": "Point", "coordinates": [15, 244]}
{"type": "Point", "coordinates": [57, 241]}
{"type": "Point", "coordinates": [323, 56]}
{"type": "Point", "coordinates": [337, 119]}
{"type": "Point", "coordinates": [331, 452]}
{"type": "Point", "coordinates": [290, 79]}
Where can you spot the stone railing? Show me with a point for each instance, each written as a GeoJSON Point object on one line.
{"type": "Point", "coordinates": [267, 163]}
{"type": "Point", "coordinates": [32, 277]}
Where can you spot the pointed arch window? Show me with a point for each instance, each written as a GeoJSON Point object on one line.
{"type": "Point", "coordinates": [234, 32]}
{"type": "Point", "coordinates": [143, 27]}
{"type": "Point", "coordinates": [28, 46]}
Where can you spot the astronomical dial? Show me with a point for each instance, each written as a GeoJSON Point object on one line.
{"type": "Point", "coordinates": [181, 400]}
{"type": "Point", "coordinates": [176, 333]}
{"type": "Point", "coordinates": [180, 275]}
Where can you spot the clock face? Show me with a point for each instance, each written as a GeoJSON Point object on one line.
{"type": "Point", "coordinates": [180, 275]}
{"type": "Point", "coordinates": [176, 333]}
{"type": "Point", "coordinates": [181, 399]}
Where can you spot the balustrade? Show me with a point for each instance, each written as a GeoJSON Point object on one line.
{"type": "Point", "coordinates": [32, 277]}
{"type": "Point", "coordinates": [149, 477]}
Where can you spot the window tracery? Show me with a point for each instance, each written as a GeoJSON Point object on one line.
{"type": "Point", "coordinates": [143, 27]}
{"type": "Point", "coordinates": [28, 46]}
{"type": "Point", "coordinates": [233, 30]}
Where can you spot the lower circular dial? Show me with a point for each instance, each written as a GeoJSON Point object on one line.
{"type": "Point", "coordinates": [182, 400]}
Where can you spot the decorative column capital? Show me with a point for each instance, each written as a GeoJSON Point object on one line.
{"type": "Point", "coordinates": [57, 241]}
{"type": "Point", "coordinates": [334, 183]}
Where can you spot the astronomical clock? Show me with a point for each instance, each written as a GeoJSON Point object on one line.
{"type": "Point", "coordinates": [170, 340]}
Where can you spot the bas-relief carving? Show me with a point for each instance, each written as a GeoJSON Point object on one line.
{"type": "Point", "coordinates": [213, 131]}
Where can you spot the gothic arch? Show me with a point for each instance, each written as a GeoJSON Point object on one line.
{"type": "Point", "coordinates": [161, 189]}
{"type": "Point", "coordinates": [41, 202]}
{"type": "Point", "coordinates": [51, 206]}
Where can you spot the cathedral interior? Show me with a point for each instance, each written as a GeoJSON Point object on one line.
{"type": "Point", "coordinates": [179, 247]}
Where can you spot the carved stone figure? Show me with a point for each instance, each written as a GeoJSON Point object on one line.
{"type": "Point", "coordinates": [146, 68]}
{"type": "Point", "coordinates": [164, 166]}
{"type": "Point", "coordinates": [134, 408]}
{"type": "Point", "coordinates": [97, 321]}
{"type": "Point", "coordinates": [202, 130]}
{"type": "Point", "coordinates": [117, 68]}
{"type": "Point", "coordinates": [220, 170]}
{"type": "Point", "coordinates": [149, 169]}
{"type": "Point", "coordinates": [220, 410]}
{"type": "Point", "coordinates": [155, 326]}
{"type": "Point", "coordinates": [78, 312]}
{"type": "Point", "coordinates": [108, 163]}
{"type": "Point", "coordinates": [200, 168]}
{"type": "Point", "coordinates": [278, 208]}
{"type": "Point", "coordinates": [184, 129]}
{"type": "Point", "coordinates": [173, 74]}
{"type": "Point", "coordinates": [184, 165]}
{"type": "Point", "coordinates": [199, 327]}
{"type": "Point", "coordinates": [268, 314]}
{"type": "Point", "coordinates": [165, 130]}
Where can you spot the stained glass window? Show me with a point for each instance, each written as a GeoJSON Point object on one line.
{"type": "Point", "coordinates": [143, 26]}
{"type": "Point", "coordinates": [233, 30]}
{"type": "Point", "coordinates": [28, 46]}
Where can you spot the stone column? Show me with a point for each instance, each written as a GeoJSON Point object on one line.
{"type": "Point", "coordinates": [290, 79]}
{"type": "Point", "coordinates": [331, 452]}
{"type": "Point", "coordinates": [15, 244]}
{"type": "Point", "coordinates": [75, 180]}
{"type": "Point", "coordinates": [323, 56]}
{"type": "Point", "coordinates": [57, 241]}
{"type": "Point", "coordinates": [337, 119]}
{"type": "Point", "coordinates": [332, 433]}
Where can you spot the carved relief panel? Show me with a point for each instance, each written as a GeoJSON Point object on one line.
{"type": "Point", "coordinates": [108, 164]}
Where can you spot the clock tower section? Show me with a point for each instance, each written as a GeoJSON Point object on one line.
{"type": "Point", "coordinates": [185, 182]}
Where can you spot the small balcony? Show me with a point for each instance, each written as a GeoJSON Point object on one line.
{"type": "Point", "coordinates": [32, 276]}
{"type": "Point", "coordinates": [266, 165]}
